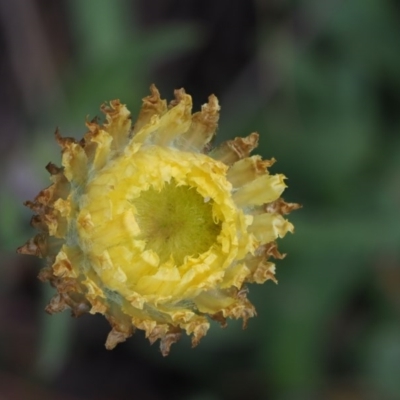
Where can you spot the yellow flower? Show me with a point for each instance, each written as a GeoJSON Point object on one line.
{"type": "Point", "coordinates": [148, 226]}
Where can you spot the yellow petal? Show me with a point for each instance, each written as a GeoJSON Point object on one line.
{"type": "Point", "coordinates": [268, 227]}
{"type": "Point", "coordinates": [263, 189]}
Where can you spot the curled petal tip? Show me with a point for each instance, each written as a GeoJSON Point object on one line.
{"type": "Point", "coordinates": [115, 337]}
{"type": "Point", "coordinates": [168, 340]}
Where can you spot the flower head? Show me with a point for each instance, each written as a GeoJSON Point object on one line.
{"type": "Point", "coordinates": [147, 225]}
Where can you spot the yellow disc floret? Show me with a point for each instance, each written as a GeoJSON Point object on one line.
{"type": "Point", "coordinates": [146, 226]}
{"type": "Point", "coordinates": [175, 222]}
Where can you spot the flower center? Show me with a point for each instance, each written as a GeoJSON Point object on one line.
{"type": "Point", "coordinates": [176, 221]}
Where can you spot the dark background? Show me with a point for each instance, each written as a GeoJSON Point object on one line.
{"type": "Point", "coordinates": [320, 81]}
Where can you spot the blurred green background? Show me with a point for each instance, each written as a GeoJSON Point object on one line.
{"type": "Point", "coordinates": [320, 81]}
